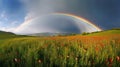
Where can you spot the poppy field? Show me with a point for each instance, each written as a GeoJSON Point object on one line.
{"type": "Point", "coordinates": [61, 51]}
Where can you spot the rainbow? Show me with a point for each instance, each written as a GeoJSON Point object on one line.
{"type": "Point", "coordinates": [78, 18]}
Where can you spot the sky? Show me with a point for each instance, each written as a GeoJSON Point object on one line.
{"type": "Point", "coordinates": [103, 13]}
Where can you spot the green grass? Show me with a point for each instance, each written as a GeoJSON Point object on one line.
{"type": "Point", "coordinates": [107, 32]}
{"type": "Point", "coordinates": [25, 51]}
{"type": "Point", "coordinates": [6, 35]}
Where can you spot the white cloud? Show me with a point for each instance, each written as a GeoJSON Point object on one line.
{"type": "Point", "coordinates": [0, 22]}
{"type": "Point", "coordinates": [14, 23]}
{"type": "Point", "coordinates": [29, 16]}
{"type": "Point", "coordinates": [9, 28]}
{"type": "Point", "coordinates": [35, 9]}
{"type": "Point", "coordinates": [3, 15]}
{"type": "Point", "coordinates": [38, 8]}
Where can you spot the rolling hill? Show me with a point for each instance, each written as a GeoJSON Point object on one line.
{"type": "Point", "coordinates": [7, 35]}
{"type": "Point", "coordinates": [104, 33]}
{"type": "Point", "coordinates": [4, 35]}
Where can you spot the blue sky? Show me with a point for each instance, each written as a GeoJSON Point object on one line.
{"type": "Point", "coordinates": [103, 13]}
{"type": "Point", "coordinates": [12, 13]}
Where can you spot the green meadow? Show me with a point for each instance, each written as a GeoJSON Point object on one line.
{"type": "Point", "coordinates": [98, 49]}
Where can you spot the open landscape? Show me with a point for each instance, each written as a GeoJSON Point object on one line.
{"type": "Point", "coordinates": [59, 33]}
{"type": "Point", "coordinates": [98, 49]}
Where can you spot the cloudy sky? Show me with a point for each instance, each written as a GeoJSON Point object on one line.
{"type": "Point", "coordinates": [103, 13]}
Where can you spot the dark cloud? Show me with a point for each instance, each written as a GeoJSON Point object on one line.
{"type": "Point", "coordinates": [58, 23]}
{"type": "Point", "coordinates": [103, 13]}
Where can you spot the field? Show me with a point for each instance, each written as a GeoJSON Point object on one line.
{"type": "Point", "coordinates": [101, 49]}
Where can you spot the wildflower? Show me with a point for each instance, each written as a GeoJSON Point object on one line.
{"type": "Point", "coordinates": [97, 49]}
{"type": "Point", "coordinates": [68, 56]}
{"type": "Point", "coordinates": [76, 59]}
{"type": "Point", "coordinates": [117, 58]}
{"type": "Point", "coordinates": [17, 60]}
{"type": "Point", "coordinates": [39, 61]}
{"type": "Point", "coordinates": [110, 60]}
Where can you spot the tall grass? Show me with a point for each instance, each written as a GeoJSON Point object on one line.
{"type": "Point", "coordinates": [60, 52]}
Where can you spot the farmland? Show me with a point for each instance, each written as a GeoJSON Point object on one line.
{"type": "Point", "coordinates": [101, 49]}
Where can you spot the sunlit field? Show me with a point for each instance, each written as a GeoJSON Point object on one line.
{"type": "Point", "coordinates": [61, 51]}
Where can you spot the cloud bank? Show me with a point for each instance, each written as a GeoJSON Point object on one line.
{"type": "Point", "coordinates": [55, 24]}
{"type": "Point", "coordinates": [39, 19]}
